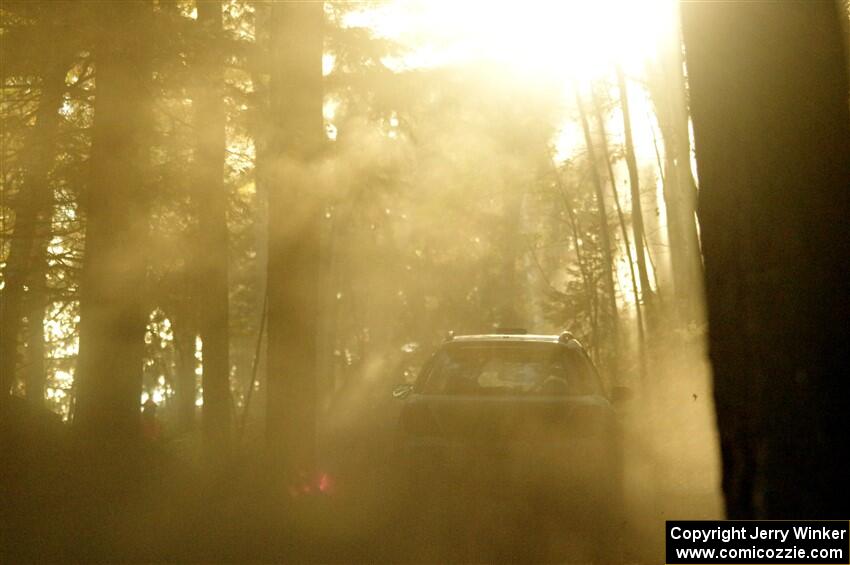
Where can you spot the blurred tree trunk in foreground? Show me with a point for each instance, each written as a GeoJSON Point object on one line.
{"type": "Point", "coordinates": [112, 316]}
{"type": "Point", "coordinates": [769, 91]}
{"type": "Point", "coordinates": [211, 201]}
{"type": "Point", "coordinates": [295, 142]}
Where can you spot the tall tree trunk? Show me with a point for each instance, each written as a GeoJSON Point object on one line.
{"type": "Point", "coordinates": [184, 322]}
{"type": "Point", "coordinates": [605, 238]}
{"type": "Point", "coordinates": [507, 313]}
{"type": "Point", "coordinates": [294, 237]}
{"type": "Point", "coordinates": [259, 128]}
{"type": "Point", "coordinates": [768, 91]}
{"type": "Point", "coordinates": [667, 88]}
{"type": "Point", "coordinates": [112, 317]}
{"type": "Point", "coordinates": [32, 219]}
{"type": "Point", "coordinates": [212, 222]}
{"type": "Point", "coordinates": [641, 342]}
{"type": "Point", "coordinates": [37, 302]}
{"type": "Point", "coordinates": [634, 185]}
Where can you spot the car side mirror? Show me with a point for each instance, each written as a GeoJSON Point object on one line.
{"type": "Point", "coordinates": [402, 391]}
{"type": "Point", "coordinates": [621, 395]}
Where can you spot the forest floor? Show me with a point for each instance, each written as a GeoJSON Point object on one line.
{"type": "Point", "coordinates": [158, 505]}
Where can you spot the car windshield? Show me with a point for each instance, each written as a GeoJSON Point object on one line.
{"type": "Point", "coordinates": [509, 369]}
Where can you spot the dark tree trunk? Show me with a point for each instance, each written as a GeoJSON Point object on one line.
{"type": "Point", "coordinates": [769, 89]}
{"type": "Point", "coordinates": [212, 222]}
{"type": "Point", "coordinates": [112, 317]}
{"type": "Point", "coordinates": [294, 220]}
{"type": "Point", "coordinates": [32, 220]}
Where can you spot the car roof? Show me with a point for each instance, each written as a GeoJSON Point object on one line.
{"type": "Point", "coordinates": [565, 338]}
{"type": "Point", "coordinates": [507, 337]}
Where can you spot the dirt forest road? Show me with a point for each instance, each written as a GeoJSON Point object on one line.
{"type": "Point", "coordinates": [161, 504]}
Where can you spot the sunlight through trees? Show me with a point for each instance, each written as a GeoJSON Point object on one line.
{"type": "Point", "coordinates": [230, 227]}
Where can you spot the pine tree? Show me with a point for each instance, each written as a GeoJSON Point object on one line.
{"type": "Point", "coordinates": [33, 207]}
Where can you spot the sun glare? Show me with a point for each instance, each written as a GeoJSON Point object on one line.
{"type": "Point", "coordinates": [562, 39]}
{"type": "Point", "coordinates": [569, 44]}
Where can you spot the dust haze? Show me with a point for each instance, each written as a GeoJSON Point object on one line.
{"type": "Point", "coordinates": [237, 235]}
